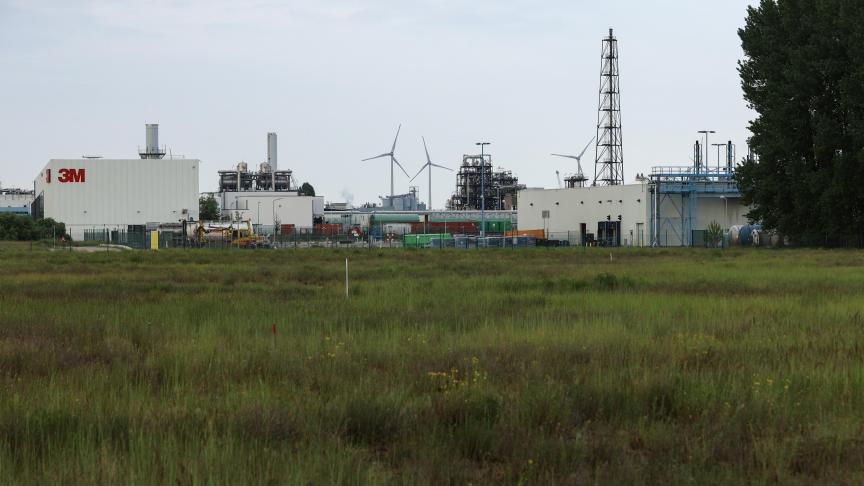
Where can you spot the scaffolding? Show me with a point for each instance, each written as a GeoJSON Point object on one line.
{"type": "Point", "coordinates": [675, 194]}
{"type": "Point", "coordinates": [501, 186]}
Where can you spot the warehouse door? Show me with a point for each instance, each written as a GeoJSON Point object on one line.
{"type": "Point", "coordinates": [609, 233]}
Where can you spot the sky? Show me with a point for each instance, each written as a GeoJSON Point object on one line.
{"type": "Point", "coordinates": [334, 79]}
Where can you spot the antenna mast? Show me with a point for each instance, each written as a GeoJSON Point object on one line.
{"type": "Point", "coordinates": [609, 162]}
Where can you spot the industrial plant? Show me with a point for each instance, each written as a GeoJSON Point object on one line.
{"type": "Point", "coordinates": [261, 205]}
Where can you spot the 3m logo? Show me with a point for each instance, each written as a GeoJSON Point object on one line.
{"type": "Point", "coordinates": [71, 175]}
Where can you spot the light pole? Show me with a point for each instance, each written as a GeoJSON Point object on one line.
{"type": "Point", "coordinates": [483, 188]}
{"type": "Point", "coordinates": [274, 214]}
{"type": "Point", "coordinates": [259, 217]}
{"type": "Point", "coordinates": [718, 145]}
{"type": "Point", "coordinates": [706, 132]}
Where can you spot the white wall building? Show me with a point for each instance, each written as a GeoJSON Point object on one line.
{"type": "Point", "coordinates": [632, 211]}
{"type": "Point", "coordinates": [576, 214]}
{"type": "Point", "coordinates": [117, 193]}
{"type": "Point", "coordinates": [272, 208]}
{"type": "Point", "coordinates": [16, 201]}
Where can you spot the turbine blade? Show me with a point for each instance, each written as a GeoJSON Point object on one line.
{"type": "Point", "coordinates": [440, 166]}
{"type": "Point", "coordinates": [393, 150]}
{"type": "Point", "coordinates": [376, 157]}
{"type": "Point", "coordinates": [566, 156]}
{"type": "Point", "coordinates": [586, 148]}
{"type": "Point", "coordinates": [429, 160]}
{"type": "Point", "coordinates": [419, 172]}
{"type": "Point", "coordinates": [400, 166]}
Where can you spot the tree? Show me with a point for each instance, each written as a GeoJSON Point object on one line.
{"type": "Point", "coordinates": [803, 74]}
{"type": "Point", "coordinates": [208, 208]}
{"type": "Point", "coordinates": [22, 227]}
{"type": "Point", "coordinates": [306, 189]}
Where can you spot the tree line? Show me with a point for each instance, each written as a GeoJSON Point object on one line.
{"type": "Point", "coordinates": [803, 74]}
{"type": "Point", "coordinates": [20, 227]}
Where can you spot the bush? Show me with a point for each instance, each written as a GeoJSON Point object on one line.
{"type": "Point", "coordinates": [17, 227]}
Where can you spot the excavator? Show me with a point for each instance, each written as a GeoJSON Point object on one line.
{"type": "Point", "coordinates": [241, 235]}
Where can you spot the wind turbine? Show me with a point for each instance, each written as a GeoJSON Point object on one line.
{"type": "Point", "coordinates": [580, 177]}
{"type": "Point", "coordinates": [429, 164]}
{"type": "Point", "coordinates": [392, 160]}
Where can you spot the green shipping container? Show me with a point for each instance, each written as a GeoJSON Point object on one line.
{"type": "Point", "coordinates": [498, 225]}
{"type": "Point", "coordinates": [417, 241]}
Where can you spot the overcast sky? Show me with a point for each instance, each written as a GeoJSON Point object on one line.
{"type": "Point", "coordinates": [334, 78]}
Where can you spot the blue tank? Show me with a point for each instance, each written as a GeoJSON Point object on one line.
{"type": "Point", "coordinates": [745, 234]}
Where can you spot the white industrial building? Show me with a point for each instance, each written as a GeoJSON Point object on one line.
{"type": "Point", "coordinates": [268, 197]}
{"type": "Point", "coordinates": [672, 207]}
{"type": "Point", "coordinates": [274, 208]}
{"type": "Point", "coordinates": [118, 194]}
{"type": "Point", "coordinates": [606, 212]}
{"type": "Point", "coordinates": [16, 201]}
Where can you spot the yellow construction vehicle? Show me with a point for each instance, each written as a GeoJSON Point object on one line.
{"type": "Point", "coordinates": [241, 235]}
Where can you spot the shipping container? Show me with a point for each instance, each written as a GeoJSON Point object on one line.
{"type": "Point", "coordinates": [425, 240]}
{"type": "Point", "coordinates": [328, 229]}
{"type": "Point", "coordinates": [396, 228]}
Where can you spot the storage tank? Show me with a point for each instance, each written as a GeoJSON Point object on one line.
{"type": "Point", "coordinates": [242, 167]}
{"type": "Point", "coordinates": [264, 167]}
{"type": "Point", "coordinates": [396, 218]}
{"type": "Point", "coordinates": [746, 234]}
{"type": "Point", "coordinates": [733, 235]}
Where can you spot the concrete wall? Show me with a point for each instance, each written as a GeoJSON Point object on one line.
{"type": "Point", "coordinates": [570, 208]}
{"type": "Point", "coordinates": [115, 193]}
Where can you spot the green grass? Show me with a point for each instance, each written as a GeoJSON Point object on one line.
{"type": "Point", "coordinates": [533, 366]}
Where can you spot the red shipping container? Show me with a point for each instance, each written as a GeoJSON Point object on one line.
{"type": "Point", "coordinates": [328, 229]}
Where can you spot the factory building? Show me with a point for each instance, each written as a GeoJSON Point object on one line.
{"type": "Point", "coordinates": [268, 197]}
{"type": "Point", "coordinates": [402, 202]}
{"type": "Point", "coordinates": [608, 215]}
{"type": "Point", "coordinates": [119, 194]}
{"type": "Point", "coordinates": [17, 201]}
{"type": "Point", "coordinates": [673, 206]}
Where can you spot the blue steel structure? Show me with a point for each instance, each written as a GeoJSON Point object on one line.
{"type": "Point", "coordinates": [675, 195]}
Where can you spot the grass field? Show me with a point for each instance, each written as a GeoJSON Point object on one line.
{"type": "Point", "coordinates": [533, 366]}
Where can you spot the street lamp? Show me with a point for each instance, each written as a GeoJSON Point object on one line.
{"type": "Point", "coordinates": [706, 132]}
{"type": "Point", "coordinates": [483, 187]}
{"type": "Point", "coordinates": [259, 217]}
{"type": "Point", "coordinates": [274, 214]}
{"type": "Point", "coordinates": [718, 145]}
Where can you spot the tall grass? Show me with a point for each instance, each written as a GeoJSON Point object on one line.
{"type": "Point", "coordinates": [532, 366]}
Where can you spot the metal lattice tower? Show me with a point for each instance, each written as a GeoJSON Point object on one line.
{"type": "Point", "coordinates": [609, 162]}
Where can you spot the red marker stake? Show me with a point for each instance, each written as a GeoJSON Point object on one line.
{"type": "Point", "coordinates": [274, 336]}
